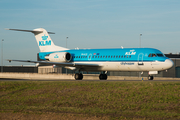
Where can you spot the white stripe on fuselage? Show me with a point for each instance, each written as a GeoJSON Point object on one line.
{"type": "Point", "coordinates": [127, 66]}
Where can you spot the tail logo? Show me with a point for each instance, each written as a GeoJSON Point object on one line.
{"type": "Point", "coordinates": [45, 42]}
{"type": "Point", "coordinates": [44, 37]}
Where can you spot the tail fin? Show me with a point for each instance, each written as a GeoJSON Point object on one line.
{"type": "Point", "coordinates": [43, 39]}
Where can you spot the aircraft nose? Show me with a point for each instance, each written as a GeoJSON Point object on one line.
{"type": "Point", "coordinates": [169, 63]}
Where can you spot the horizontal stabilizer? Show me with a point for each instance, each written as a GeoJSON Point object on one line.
{"type": "Point", "coordinates": [33, 31]}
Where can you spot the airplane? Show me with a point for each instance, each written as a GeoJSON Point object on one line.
{"type": "Point", "coordinates": [98, 60]}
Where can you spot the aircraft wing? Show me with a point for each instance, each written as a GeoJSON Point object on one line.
{"type": "Point", "coordinates": [70, 64]}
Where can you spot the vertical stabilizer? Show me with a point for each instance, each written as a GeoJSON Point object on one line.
{"type": "Point", "coordinates": [43, 39]}
{"type": "Point", "coordinates": [45, 42]}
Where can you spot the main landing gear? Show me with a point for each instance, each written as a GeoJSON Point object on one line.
{"type": "Point", "coordinates": [79, 76]}
{"type": "Point", "coordinates": [103, 76]}
{"type": "Point", "coordinates": [150, 77]}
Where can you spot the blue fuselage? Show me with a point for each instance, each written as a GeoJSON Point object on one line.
{"type": "Point", "coordinates": [113, 55]}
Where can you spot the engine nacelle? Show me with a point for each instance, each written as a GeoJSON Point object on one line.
{"type": "Point", "coordinates": [59, 57]}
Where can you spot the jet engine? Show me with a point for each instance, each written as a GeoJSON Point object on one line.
{"type": "Point", "coordinates": [59, 57]}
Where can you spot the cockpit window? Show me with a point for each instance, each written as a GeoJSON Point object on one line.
{"type": "Point", "coordinates": [153, 55]}
{"type": "Point", "coordinates": [160, 55]}
{"type": "Point", "coordinates": [149, 55]}
{"type": "Point", "coordinates": [156, 55]}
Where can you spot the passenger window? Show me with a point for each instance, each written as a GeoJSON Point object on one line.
{"type": "Point", "coordinates": [122, 56]}
{"type": "Point", "coordinates": [108, 56]}
{"type": "Point", "coordinates": [149, 55]}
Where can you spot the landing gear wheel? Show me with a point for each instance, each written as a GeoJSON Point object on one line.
{"type": "Point", "coordinates": [78, 76]}
{"type": "Point", "coordinates": [103, 77]}
{"type": "Point", "coordinates": [150, 77]}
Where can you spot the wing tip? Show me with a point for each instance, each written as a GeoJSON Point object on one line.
{"type": "Point", "coordinates": [6, 28]}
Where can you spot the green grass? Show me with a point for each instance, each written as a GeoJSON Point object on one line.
{"type": "Point", "coordinates": [107, 100]}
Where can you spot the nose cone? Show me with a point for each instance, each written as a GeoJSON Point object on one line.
{"type": "Point", "coordinates": [168, 63]}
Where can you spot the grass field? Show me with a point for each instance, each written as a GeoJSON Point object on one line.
{"type": "Point", "coordinates": [89, 100]}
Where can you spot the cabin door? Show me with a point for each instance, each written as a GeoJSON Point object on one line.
{"type": "Point", "coordinates": [89, 56]}
{"type": "Point", "coordinates": [140, 59]}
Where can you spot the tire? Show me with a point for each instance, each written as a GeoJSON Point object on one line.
{"type": "Point", "coordinates": [150, 77]}
{"type": "Point", "coordinates": [78, 76]}
{"type": "Point", "coordinates": [103, 77]}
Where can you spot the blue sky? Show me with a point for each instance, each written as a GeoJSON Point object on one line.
{"type": "Point", "coordinates": [90, 24]}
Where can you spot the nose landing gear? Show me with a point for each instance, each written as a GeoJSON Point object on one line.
{"type": "Point", "coordinates": [150, 77]}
